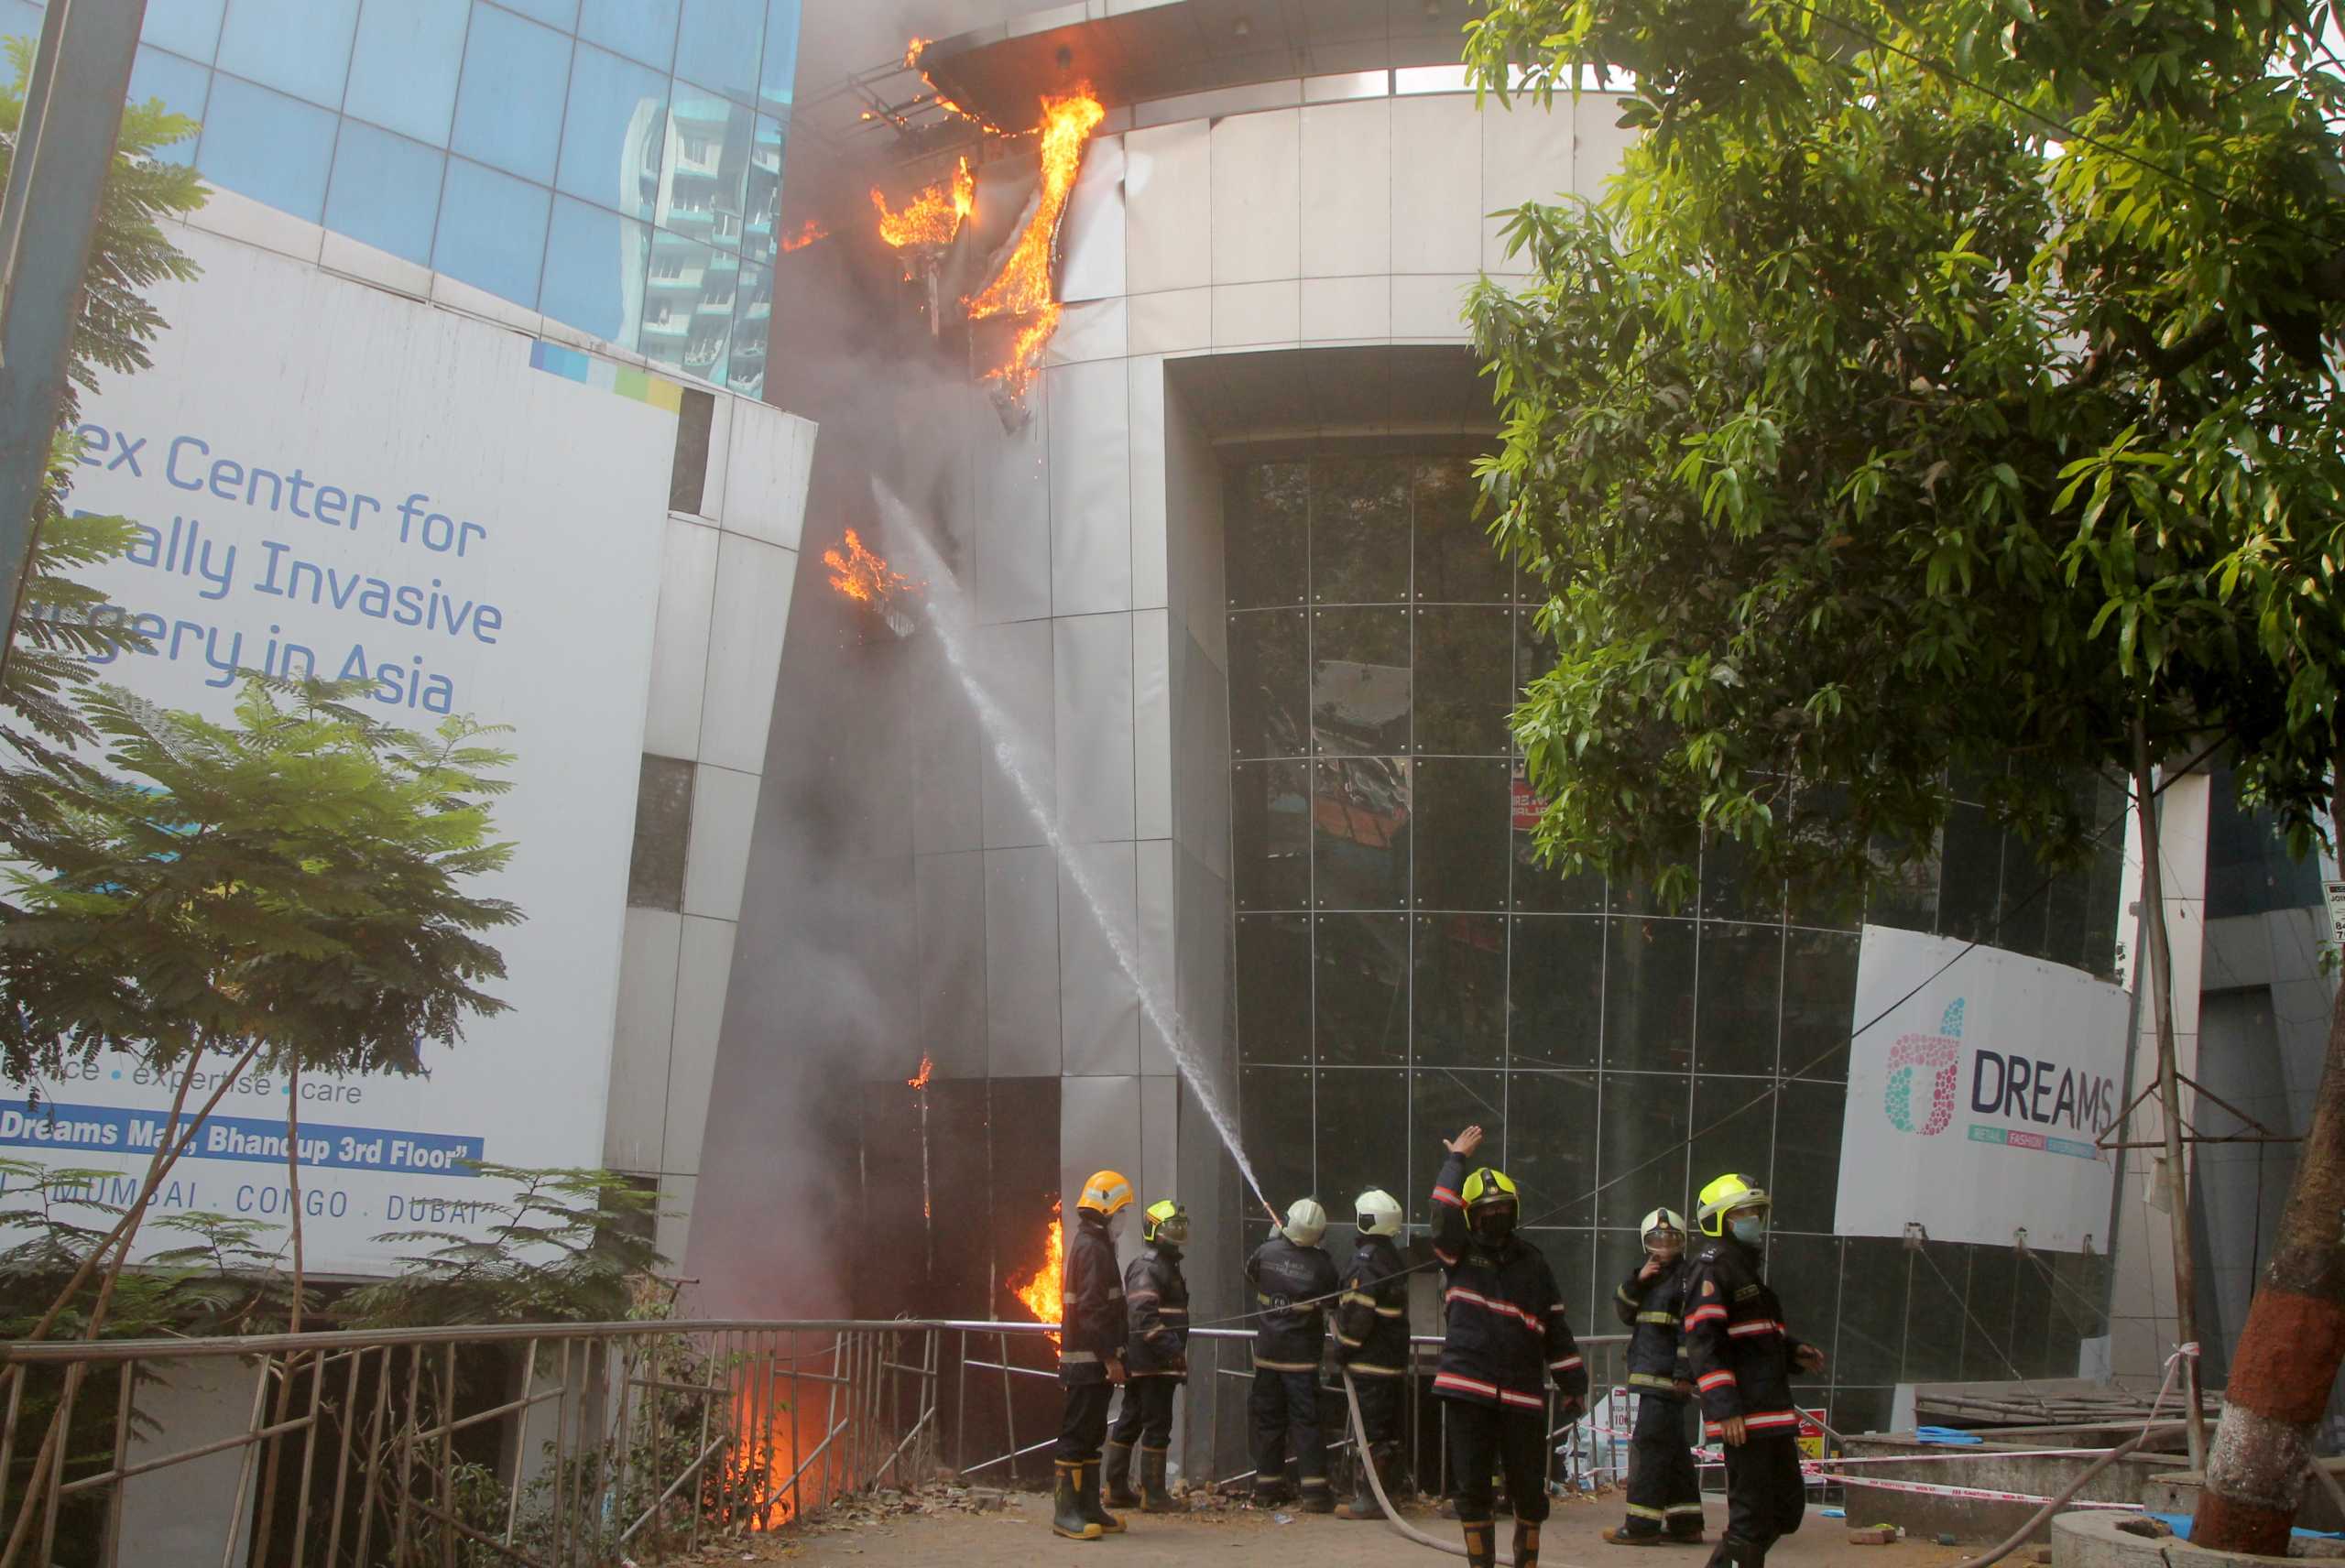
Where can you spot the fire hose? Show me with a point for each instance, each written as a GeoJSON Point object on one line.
{"type": "Point", "coordinates": [1399, 1525]}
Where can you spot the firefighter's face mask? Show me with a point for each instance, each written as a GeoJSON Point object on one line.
{"type": "Point", "coordinates": [1116, 1225]}
{"type": "Point", "coordinates": [1747, 1227]}
{"type": "Point", "coordinates": [1494, 1222]}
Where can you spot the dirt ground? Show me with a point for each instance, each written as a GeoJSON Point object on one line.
{"type": "Point", "coordinates": [1018, 1536]}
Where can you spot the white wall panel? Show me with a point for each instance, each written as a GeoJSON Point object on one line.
{"type": "Point", "coordinates": [1091, 488]}
{"type": "Point", "coordinates": [1153, 860]}
{"type": "Point", "coordinates": [1596, 157]}
{"type": "Point", "coordinates": [1257, 173]}
{"type": "Point", "coordinates": [1151, 725]}
{"type": "Point", "coordinates": [1526, 156]}
{"type": "Point", "coordinates": [1172, 322]}
{"type": "Point", "coordinates": [1013, 549]}
{"type": "Point", "coordinates": [1022, 963]}
{"type": "Point", "coordinates": [1151, 572]}
{"type": "Point", "coordinates": [1092, 664]}
{"type": "Point", "coordinates": [679, 638]}
{"type": "Point", "coordinates": [1346, 310]}
{"type": "Point", "coordinates": [1346, 190]}
{"type": "Point", "coordinates": [1099, 1008]}
{"type": "Point", "coordinates": [1099, 1128]}
{"type": "Point", "coordinates": [751, 615]}
{"type": "Point", "coordinates": [1093, 329]}
{"type": "Point", "coordinates": [1168, 208]}
{"type": "Point", "coordinates": [1091, 235]}
{"type": "Point", "coordinates": [716, 863]}
{"type": "Point", "coordinates": [1436, 185]}
{"type": "Point", "coordinates": [947, 746]}
{"type": "Point", "coordinates": [1160, 1123]}
{"type": "Point", "coordinates": [1430, 307]}
{"type": "Point", "coordinates": [1013, 663]}
{"type": "Point", "coordinates": [1255, 315]}
{"type": "Point", "coordinates": [704, 970]}
{"type": "Point", "coordinates": [949, 909]}
{"type": "Point", "coordinates": [713, 481]}
{"type": "Point", "coordinates": [768, 458]}
{"type": "Point", "coordinates": [642, 1040]}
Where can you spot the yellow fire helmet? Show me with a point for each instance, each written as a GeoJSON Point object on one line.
{"type": "Point", "coordinates": [1489, 1185]}
{"type": "Point", "coordinates": [1167, 1222]}
{"type": "Point", "coordinates": [1729, 1191]}
{"type": "Point", "coordinates": [1106, 1192]}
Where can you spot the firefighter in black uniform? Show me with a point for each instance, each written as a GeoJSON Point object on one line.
{"type": "Point", "coordinates": [1156, 1305]}
{"type": "Point", "coordinates": [1741, 1353]}
{"type": "Point", "coordinates": [1664, 1493]}
{"type": "Point", "coordinates": [1506, 1336]}
{"type": "Point", "coordinates": [1372, 1341]}
{"type": "Point", "coordinates": [1294, 1284]}
{"type": "Point", "coordinates": [1091, 1356]}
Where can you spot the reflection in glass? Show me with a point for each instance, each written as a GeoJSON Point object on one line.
{"type": "Point", "coordinates": [1458, 996]}
{"type": "Point", "coordinates": [718, 45]}
{"type": "Point", "coordinates": [385, 191]}
{"type": "Point", "coordinates": [1359, 837]}
{"type": "Point", "coordinates": [1819, 1003]}
{"type": "Point", "coordinates": [1933, 1326]}
{"type": "Point", "coordinates": [1734, 1129]}
{"type": "Point", "coordinates": [1583, 1300]}
{"type": "Point", "coordinates": [1456, 562]}
{"type": "Point", "coordinates": [1820, 816]}
{"type": "Point", "coordinates": [688, 303]}
{"type": "Point", "coordinates": [492, 231]}
{"type": "Point", "coordinates": [1548, 1150]}
{"type": "Point", "coordinates": [1807, 1155]}
{"type": "Point", "coordinates": [752, 328]}
{"type": "Point", "coordinates": [300, 47]}
{"type": "Point", "coordinates": [1359, 531]}
{"type": "Point", "coordinates": [562, 14]}
{"type": "Point", "coordinates": [403, 67]}
{"type": "Point", "coordinates": [2021, 908]}
{"type": "Point", "coordinates": [1557, 987]}
{"type": "Point", "coordinates": [1442, 1103]}
{"type": "Point", "coordinates": [1462, 682]}
{"type": "Point", "coordinates": [1733, 887]}
{"type": "Point", "coordinates": [1360, 983]}
{"type": "Point", "coordinates": [1873, 1318]}
{"type": "Point", "coordinates": [1971, 877]}
{"type": "Point", "coordinates": [154, 73]}
{"type": "Point", "coordinates": [704, 188]}
{"type": "Point", "coordinates": [1994, 1280]}
{"type": "Point", "coordinates": [1362, 1139]}
{"type": "Point", "coordinates": [1266, 506]}
{"type": "Point", "coordinates": [1273, 990]}
{"type": "Point", "coordinates": [1275, 1118]}
{"type": "Point", "coordinates": [1270, 808]}
{"type": "Point", "coordinates": [762, 205]}
{"type": "Point", "coordinates": [1649, 994]}
{"type": "Point", "coordinates": [1461, 833]}
{"type": "Point", "coordinates": [186, 27]}
{"type": "Point", "coordinates": [1904, 891]}
{"type": "Point", "coordinates": [781, 70]}
{"type": "Point", "coordinates": [1269, 683]}
{"type": "Point", "coordinates": [1642, 1143]}
{"type": "Point", "coordinates": [1738, 998]}
{"type": "Point", "coordinates": [267, 147]}
{"type": "Point", "coordinates": [1536, 887]}
{"type": "Point", "coordinates": [595, 270]}
{"type": "Point", "coordinates": [1359, 681]}
{"type": "Point", "coordinates": [611, 144]}
{"type": "Point", "coordinates": [640, 29]}
{"type": "Point", "coordinates": [1805, 1273]}
{"type": "Point", "coordinates": [508, 110]}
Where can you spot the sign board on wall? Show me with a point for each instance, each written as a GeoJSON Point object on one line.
{"type": "Point", "coordinates": [1974, 1101]}
{"type": "Point", "coordinates": [331, 479]}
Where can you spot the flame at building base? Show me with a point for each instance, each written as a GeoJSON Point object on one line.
{"type": "Point", "coordinates": [1045, 1293]}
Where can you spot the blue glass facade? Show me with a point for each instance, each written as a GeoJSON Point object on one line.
{"type": "Point", "coordinates": [615, 164]}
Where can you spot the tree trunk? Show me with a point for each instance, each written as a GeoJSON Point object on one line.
{"type": "Point", "coordinates": [2287, 1355]}
{"type": "Point", "coordinates": [2177, 1186]}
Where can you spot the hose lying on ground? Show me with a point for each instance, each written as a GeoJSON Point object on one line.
{"type": "Point", "coordinates": [2035, 1521]}
{"type": "Point", "coordinates": [1399, 1525]}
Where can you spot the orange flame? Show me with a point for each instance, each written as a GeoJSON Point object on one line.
{"type": "Point", "coordinates": [1024, 290]}
{"type": "Point", "coordinates": [919, 1079]}
{"type": "Point", "coordinates": [932, 217]}
{"type": "Point", "coordinates": [1045, 1293]}
{"type": "Point", "coordinates": [812, 231]}
{"type": "Point", "coordinates": [861, 575]}
{"type": "Point", "coordinates": [913, 50]}
{"type": "Point", "coordinates": [759, 1470]}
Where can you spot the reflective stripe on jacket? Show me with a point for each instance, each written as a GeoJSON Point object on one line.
{"type": "Point", "coordinates": [1507, 1333]}
{"type": "Point", "coordinates": [1294, 1289]}
{"type": "Point", "coordinates": [1654, 1311]}
{"type": "Point", "coordinates": [1373, 1314]}
{"type": "Point", "coordinates": [1156, 1305]}
{"type": "Point", "coordinates": [1736, 1344]}
{"type": "Point", "coordinates": [1091, 1311]}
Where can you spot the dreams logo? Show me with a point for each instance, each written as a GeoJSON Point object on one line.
{"type": "Point", "coordinates": [1938, 1054]}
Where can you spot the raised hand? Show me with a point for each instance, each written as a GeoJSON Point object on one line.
{"type": "Point", "coordinates": [1464, 1143]}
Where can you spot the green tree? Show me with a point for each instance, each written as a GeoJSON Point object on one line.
{"type": "Point", "coordinates": [1941, 387]}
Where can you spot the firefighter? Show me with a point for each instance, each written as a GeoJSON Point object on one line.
{"type": "Point", "coordinates": [1156, 1308]}
{"type": "Point", "coordinates": [1741, 1355]}
{"type": "Point", "coordinates": [1372, 1341]}
{"type": "Point", "coordinates": [1091, 1355]}
{"type": "Point", "coordinates": [1294, 1283]}
{"type": "Point", "coordinates": [1664, 1494]}
{"type": "Point", "coordinates": [1508, 1336]}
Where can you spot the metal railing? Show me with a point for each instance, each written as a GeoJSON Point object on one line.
{"type": "Point", "coordinates": [573, 1445]}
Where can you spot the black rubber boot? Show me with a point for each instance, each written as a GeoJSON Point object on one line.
{"type": "Point", "coordinates": [1733, 1552]}
{"type": "Point", "coordinates": [1067, 1518]}
{"type": "Point", "coordinates": [1685, 1526]}
{"type": "Point", "coordinates": [1318, 1497]}
{"type": "Point", "coordinates": [1086, 1496]}
{"type": "Point", "coordinates": [1363, 1501]}
{"type": "Point", "coordinates": [1526, 1543]}
{"type": "Point", "coordinates": [1156, 1495]}
{"type": "Point", "coordinates": [1116, 1471]}
{"type": "Point", "coordinates": [1482, 1544]}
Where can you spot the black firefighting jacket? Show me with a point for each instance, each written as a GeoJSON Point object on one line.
{"type": "Point", "coordinates": [1740, 1352]}
{"type": "Point", "coordinates": [1294, 1285]}
{"type": "Point", "coordinates": [1507, 1334]}
{"type": "Point", "coordinates": [1373, 1314]}
{"type": "Point", "coordinates": [1156, 1306]}
{"type": "Point", "coordinates": [1091, 1314]}
{"type": "Point", "coordinates": [1655, 1311]}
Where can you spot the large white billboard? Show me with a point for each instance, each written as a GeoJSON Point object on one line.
{"type": "Point", "coordinates": [1975, 1100]}
{"type": "Point", "coordinates": [329, 478]}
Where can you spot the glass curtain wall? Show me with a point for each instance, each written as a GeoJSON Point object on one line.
{"type": "Point", "coordinates": [1403, 967]}
{"type": "Point", "coordinates": [615, 164]}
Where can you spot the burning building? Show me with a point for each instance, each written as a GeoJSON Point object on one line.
{"type": "Point", "coordinates": [1226, 582]}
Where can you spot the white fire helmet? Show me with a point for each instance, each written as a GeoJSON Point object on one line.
{"type": "Point", "coordinates": [1306, 1222]}
{"type": "Point", "coordinates": [1670, 1222]}
{"type": "Point", "coordinates": [1379, 1213]}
